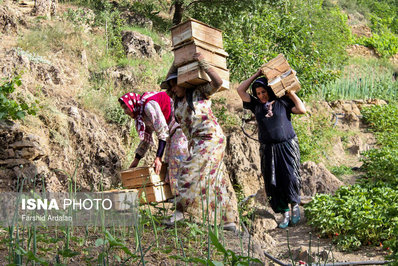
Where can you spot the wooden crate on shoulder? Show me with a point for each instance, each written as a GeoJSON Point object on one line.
{"type": "Point", "coordinates": [183, 54]}
{"type": "Point", "coordinates": [281, 77]}
{"type": "Point", "coordinates": [194, 29]}
{"type": "Point", "coordinates": [191, 75]}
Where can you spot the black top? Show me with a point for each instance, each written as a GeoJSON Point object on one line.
{"type": "Point", "coordinates": [277, 128]}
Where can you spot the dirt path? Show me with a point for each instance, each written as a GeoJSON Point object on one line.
{"type": "Point", "coordinates": [299, 245]}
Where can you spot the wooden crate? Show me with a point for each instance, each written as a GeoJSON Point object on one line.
{"type": "Point", "coordinates": [191, 75]}
{"type": "Point", "coordinates": [123, 199]}
{"type": "Point", "coordinates": [142, 176]}
{"type": "Point", "coordinates": [275, 67]}
{"type": "Point", "coordinates": [281, 77]}
{"type": "Point", "coordinates": [158, 193]}
{"type": "Point", "coordinates": [287, 82]}
{"type": "Point", "coordinates": [194, 29]}
{"type": "Point", "coordinates": [183, 54]}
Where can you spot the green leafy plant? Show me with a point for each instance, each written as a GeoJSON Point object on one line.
{"type": "Point", "coordinates": [356, 215]}
{"type": "Point", "coordinates": [341, 170]}
{"type": "Point", "coordinates": [366, 213]}
{"type": "Point", "coordinates": [383, 163]}
{"type": "Point", "coordinates": [10, 108]}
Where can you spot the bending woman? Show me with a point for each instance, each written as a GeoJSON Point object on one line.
{"type": "Point", "coordinates": [201, 174]}
{"type": "Point", "coordinates": [154, 112]}
{"type": "Point", "coordinates": [279, 149]}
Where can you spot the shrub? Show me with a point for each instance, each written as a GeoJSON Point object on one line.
{"type": "Point", "coordinates": [10, 108]}
{"type": "Point", "coordinates": [383, 163]}
{"type": "Point", "coordinates": [357, 215]}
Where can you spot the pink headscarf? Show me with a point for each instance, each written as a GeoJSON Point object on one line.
{"type": "Point", "coordinates": [136, 104]}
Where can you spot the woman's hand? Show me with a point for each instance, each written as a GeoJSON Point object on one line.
{"type": "Point", "coordinates": [158, 165]}
{"type": "Point", "coordinates": [134, 163]}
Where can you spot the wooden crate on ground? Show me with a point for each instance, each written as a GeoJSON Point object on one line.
{"type": "Point", "coordinates": [142, 176]}
{"type": "Point", "coordinates": [194, 29]}
{"type": "Point", "coordinates": [191, 75]}
{"type": "Point", "coordinates": [122, 199]}
{"type": "Point", "coordinates": [183, 54]}
{"type": "Point", "coordinates": [281, 77]}
{"type": "Point", "coordinates": [158, 193]}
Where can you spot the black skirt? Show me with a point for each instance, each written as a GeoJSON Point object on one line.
{"type": "Point", "coordinates": [280, 164]}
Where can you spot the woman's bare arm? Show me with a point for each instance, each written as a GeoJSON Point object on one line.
{"type": "Point", "coordinates": [299, 107]}
{"type": "Point", "coordinates": [245, 85]}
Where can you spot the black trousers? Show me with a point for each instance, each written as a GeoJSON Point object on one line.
{"type": "Point", "coordinates": [280, 164]}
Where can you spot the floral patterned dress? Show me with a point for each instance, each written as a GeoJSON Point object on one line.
{"type": "Point", "coordinates": [177, 143]}
{"type": "Point", "coordinates": [201, 174]}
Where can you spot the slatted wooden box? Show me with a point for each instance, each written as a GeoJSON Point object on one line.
{"type": "Point", "coordinates": [183, 54]}
{"type": "Point", "coordinates": [281, 77]}
{"type": "Point", "coordinates": [275, 67]}
{"type": "Point", "coordinates": [150, 186]}
{"type": "Point", "coordinates": [191, 75]}
{"type": "Point", "coordinates": [194, 29]}
{"type": "Point", "coordinates": [142, 176]}
{"type": "Point", "coordinates": [287, 82]}
{"type": "Point", "coordinates": [158, 193]}
{"type": "Point", "coordinates": [122, 199]}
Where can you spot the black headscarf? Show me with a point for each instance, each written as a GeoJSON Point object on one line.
{"type": "Point", "coordinates": [263, 82]}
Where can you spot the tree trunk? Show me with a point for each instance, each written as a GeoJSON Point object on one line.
{"type": "Point", "coordinates": [178, 11]}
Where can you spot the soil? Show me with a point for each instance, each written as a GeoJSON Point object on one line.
{"type": "Point", "coordinates": [299, 243]}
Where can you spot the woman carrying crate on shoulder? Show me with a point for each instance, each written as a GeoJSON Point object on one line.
{"type": "Point", "coordinates": [201, 174]}
{"type": "Point", "coordinates": [154, 112]}
{"type": "Point", "coordinates": [279, 149]}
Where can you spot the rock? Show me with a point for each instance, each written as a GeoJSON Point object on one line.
{"type": "Point", "coordinates": [242, 160]}
{"type": "Point", "coordinates": [261, 224]}
{"type": "Point", "coordinates": [8, 20]}
{"type": "Point", "coordinates": [133, 18]}
{"type": "Point", "coordinates": [137, 45]}
{"type": "Point", "coordinates": [84, 59]}
{"type": "Point", "coordinates": [317, 179]}
{"type": "Point", "coordinates": [46, 8]}
{"type": "Point", "coordinates": [38, 67]}
{"type": "Point", "coordinates": [123, 77]}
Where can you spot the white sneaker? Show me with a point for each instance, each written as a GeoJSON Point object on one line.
{"type": "Point", "coordinates": [230, 227]}
{"type": "Point", "coordinates": [177, 216]}
{"type": "Point", "coordinates": [295, 214]}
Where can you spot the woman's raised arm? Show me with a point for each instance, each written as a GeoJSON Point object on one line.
{"type": "Point", "coordinates": [245, 85]}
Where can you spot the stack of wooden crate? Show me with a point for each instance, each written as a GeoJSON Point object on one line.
{"type": "Point", "coordinates": [281, 77]}
{"type": "Point", "coordinates": [151, 187]}
{"type": "Point", "coordinates": [193, 36]}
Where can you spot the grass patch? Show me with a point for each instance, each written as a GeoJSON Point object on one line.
{"type": "Point", "coordinates": [363, 79]}
{"type": "Point", "coordinates": [341, 170]}
{"type": "Point", "coordinates": [45, 40]}
{"type": "Point", "coordinates": [316, 135]}
{"type": "Point", "coordinates": [154, 36]}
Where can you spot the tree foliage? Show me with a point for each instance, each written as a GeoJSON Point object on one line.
{"type": "Point", "coordinates": [311, 36]}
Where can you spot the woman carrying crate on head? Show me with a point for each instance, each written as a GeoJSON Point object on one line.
{"type": "Point", "coordinates": [201, 175]}
{"type": "Point", "coordinates": [279, 149]}
{"type": "Point", "coordinates": [154, 112]}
